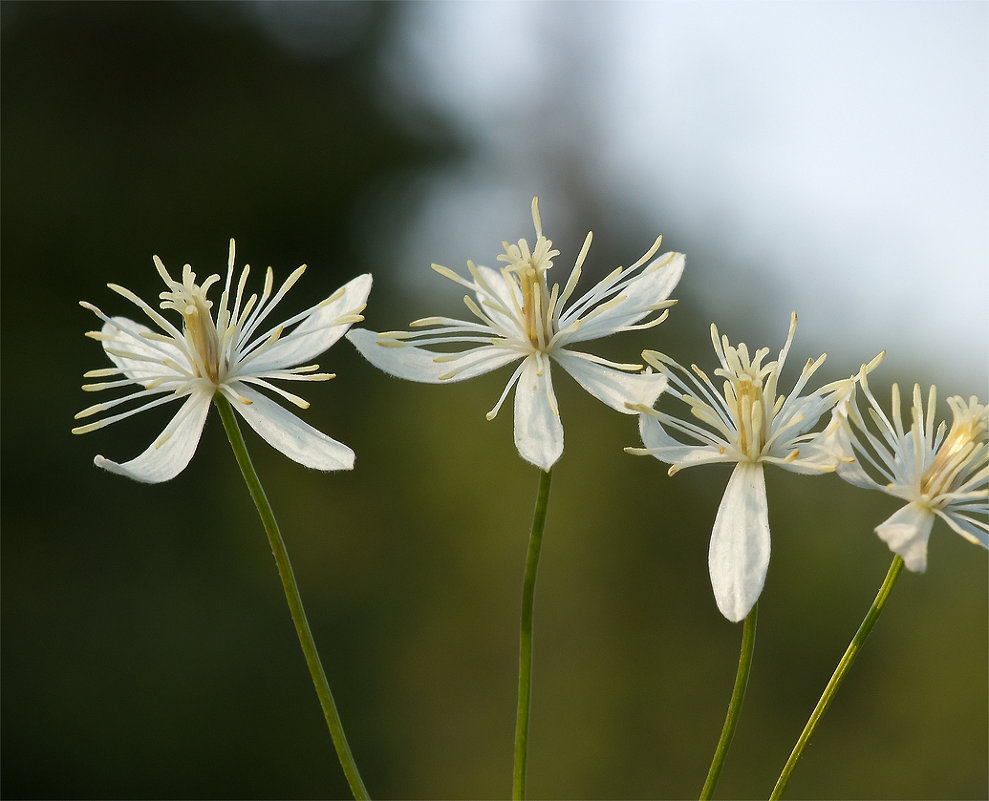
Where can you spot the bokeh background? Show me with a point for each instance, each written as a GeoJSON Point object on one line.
{"type": "Point", "coordinates": [828, 158]}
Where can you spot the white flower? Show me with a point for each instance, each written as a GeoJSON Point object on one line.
{"type": "Point", "coordinates": [749, 424]}
{"type": "Point", "coordinates": [227, 354]}
{"type": "Point", "coordinates": [937, 475]}
{"type": "Point", "coordinates": [520, 317]}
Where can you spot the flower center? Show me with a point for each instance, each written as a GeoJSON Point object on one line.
{"type": "Point", "coordinates": [744, 396]}
{"type": "Point", "coordinates": [527, 271]}
{"type": "Point", "coordinates": [968, 425]}
{"type": "Point", "coordinates": [749, 393]}
{"type": "Point", "coordinates": [189, 300]}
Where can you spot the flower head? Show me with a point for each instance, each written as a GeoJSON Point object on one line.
{"type": "Point", "coordinates": [939, 473]}
{"type": "Point", "coordinates": [228, 352]}
{"type": "Point", "coordinates": [519, 315]}
{"type": "Point", "coordinates": [750, 424]}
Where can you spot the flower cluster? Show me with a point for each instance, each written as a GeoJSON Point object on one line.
{"type": "Point", "coordinates": [740, 416]}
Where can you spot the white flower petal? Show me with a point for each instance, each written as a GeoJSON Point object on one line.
{"type": "Point", "coordinates": [500, 303]}
{"type": "Point", "coordinates": [612, 387]}
{"type": "Point", "coordinates": [538, 430]}
{"type": "Point", "coordinates": [145, 360]}
{"type": "Point", "coordinates": [975, 531]}
{"type": "Point", "coordinates": [283, 430]}
{"type": "Point", "coordinates": [815, 457]}
{"type": "Point", "coordinates": [419, 364]}
{"type": "Point", "coordinates": [739, 554]}
{"type": "Point", "coordinates": [665, 448]}
{"type": "Point", "coordinates": [853, 473]}
{"type": "Point", "coordinates": [316, 333]}
{"type": "Point", "coordinates": [906, 532]}
{"type": "Point", "coordinates": [169, 454]}
{"type": "Point", "coordinates": [652, 286]}
{"type": "Point", "coordinates": [803, 413]}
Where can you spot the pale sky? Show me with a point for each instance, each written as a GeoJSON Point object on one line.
{"type": "Point", "coordinates": [835, 155]}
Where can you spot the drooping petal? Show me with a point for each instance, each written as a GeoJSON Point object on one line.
{"type": "Point", "coordinates": [419, 364]}
{"type": "Point", "coordinates": [739, 553]}
{"type": "Point", "coordinates": [612, 387]}
{"type": "Point", "coordinates": [538, 430]}
{"type": "Point", "coordinates": [316, 333]}
{"type": "Point", "coordinates": [283, 430]}
{"type": "Point", "coordinates": [641, 295]}
{"type": "Point", "coordinates": [906, 532]}
{"type": "Point", "coordinates": [169, 454]}
{"type": "Point", "coordinates": [667, 449]}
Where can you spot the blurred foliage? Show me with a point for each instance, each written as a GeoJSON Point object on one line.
{"type": "Point", "coordinates": [147, 651]}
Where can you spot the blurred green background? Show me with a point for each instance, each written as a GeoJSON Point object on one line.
{"type": "Point", "coordinates": [146, 648]}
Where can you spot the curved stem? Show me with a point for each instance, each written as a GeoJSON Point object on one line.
{"type": "Point", "coordinates": [292, 596]}
{"type": "Point", "coordinates": [525, 651]}
{"type": "Point", "coordinates": [735, 705]}
{"type": "Point", "coordinates": [839, 674]}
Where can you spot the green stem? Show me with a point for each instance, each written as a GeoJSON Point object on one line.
{"type": "Point", "coordinates": [525, 651]}
{"type": "Point", "coordinates": [292, 596]}
{"type": "Point", "coordinates": [735, 705]}
{"type": "Point", "coordinates": [839, 674]}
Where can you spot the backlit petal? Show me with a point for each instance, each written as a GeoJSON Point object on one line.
{"type": "Point", "coordinates": [146, 359]}
{"type": "Point", "coordinates": [975, 531]}
{"type": "Point", "coordinates": [538, 430]}
{"type": "Point", "coordinates": [667, 449]}
{"type": "Point", "coordinates": [169, 454]}
{"type": "Point", "coordinates": [906, 532]}
{"type": "Point", "coordinates": [316, 333]}
{"type": "Point", "coordinates": [285, 431]}
{"type": "Point", "coordinates": [419, 364]}
{"type": "Point", "coordinates": [739, 554]}
{"type": "Point", "coordinates": [612, 387]}
{"type": "Point", "coordinates": [652, 286]}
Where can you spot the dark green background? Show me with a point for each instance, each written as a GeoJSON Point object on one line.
{"type": "Point", "coordinates": [147, 651]}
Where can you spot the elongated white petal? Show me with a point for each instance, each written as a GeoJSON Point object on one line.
{"type": "Point", "coordinates": [500, 301]}
{"type": "Point", "coordinates": [641, 295]}
{"type": "Point", "coordinates": [169, 454]}
{"type": "Point", "coordinates": [538, 430]}
{"type": "Point", "coordinates": [739, 554]}
{"type": "Point", "coordinates": [317, 332]}
{"type": "Point", "coordinates": [906, 532]}
{"type": "Point", "coordinates": [283, 430]}
{"type": "Point", "coordinates": [419, 364]}
{"type": "Point", "coordinates": [612, 387]}
{"type": "Point", "coordinates": [975, 531]}
{"type": "Point", "coordinates": [667, 449]}
{"type": "Point", "coordinates": [852, 472]}
{"type": "Point", "coordinates": [146, 359]}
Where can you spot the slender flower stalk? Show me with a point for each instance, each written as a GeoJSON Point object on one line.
{"type": "Point", "coordinates": [839, 675]}
{"type": "Point", "coordinates": [735, 705]}
{"type": "Point", "coordinates": [525, 647]}
{"type": "Point", "coordinates": [519, 316]}
{"type": "Point", "coordinates": [291, 589]}
{"type": "Point", "coordinates": [749, 424]}
{"type": "Point", "coordinates": [217, 359]}
{"type": "Point", "coordinates": [938, 472]}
